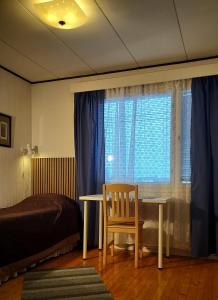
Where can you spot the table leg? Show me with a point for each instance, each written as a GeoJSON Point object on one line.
{"type": "Point", "coordinates": [160, 237]}
{"type": "Point", "coordinates": [85, 229]}
{"type": "Point", "coordinates": [168, 231]}
{"type": "Point", "coordinates": [100, 226]}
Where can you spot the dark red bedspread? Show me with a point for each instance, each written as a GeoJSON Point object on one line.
{"type": "Point", "coordinates": [35, 224]}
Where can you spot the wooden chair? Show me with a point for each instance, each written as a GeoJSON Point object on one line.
{"type": "Point", "coordinates": [120, 220]}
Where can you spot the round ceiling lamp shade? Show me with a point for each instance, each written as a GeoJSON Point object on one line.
{"type": "Point", "coordinates": [62, 14]}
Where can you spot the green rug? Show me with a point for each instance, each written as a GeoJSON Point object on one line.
{"type": "Point", "coordinates": [76, 283]}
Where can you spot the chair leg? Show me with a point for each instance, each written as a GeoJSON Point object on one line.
{"type": "Point", "coordinates": [105, 248]}
{"type": "Point", "coordinates": [140, 242]}
{"type": "Point", "coordinates": [112, 245]}
{"type": "Point", "coordinates": [136, 248]}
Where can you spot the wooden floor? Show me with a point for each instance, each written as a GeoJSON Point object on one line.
{"type": "Point", "coordinates": [181, 278]}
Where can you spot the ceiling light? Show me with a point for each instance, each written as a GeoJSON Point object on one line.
{"type": "Point", "coordinates": [62, 14]}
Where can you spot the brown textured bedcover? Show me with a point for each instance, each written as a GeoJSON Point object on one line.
{"type": "Point", "coordinates": [37, 223]}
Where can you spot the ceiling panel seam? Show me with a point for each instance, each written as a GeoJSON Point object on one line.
{"type": "Point", "coordinates": [58, 38]}
{"type": "Point", "coordinates": [116, 32]}
{"type": "Point", "coordinates": [73, 51]}
{"type": "Point", "coordinates": [27, 57]}
{"type": "Point", "coordinates": [180, 29]}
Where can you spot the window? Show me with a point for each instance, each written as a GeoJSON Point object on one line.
{"type": "Point", "coordinates": [185, 136]}
{"type": "Point", "coordinates": [138, 138]}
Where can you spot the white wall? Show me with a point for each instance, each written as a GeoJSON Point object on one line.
{"type": "Point", "coordinates": [52, 103]}
{"type": "Point", "coordinates": [15, 182]}
{"type": "Point", "coordinates": [52, 119]}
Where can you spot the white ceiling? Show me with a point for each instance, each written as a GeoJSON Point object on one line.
{"type": "Point", "coordinates": [118, 35]}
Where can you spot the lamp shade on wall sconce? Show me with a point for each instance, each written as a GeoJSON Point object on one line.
{"type": "Point", "coordinates": [28, 150]}
{"type": "Point", "coordinates": [62, 14]}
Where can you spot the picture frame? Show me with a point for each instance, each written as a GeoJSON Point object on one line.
{"type": "Point", "coordinates": [5, 130]}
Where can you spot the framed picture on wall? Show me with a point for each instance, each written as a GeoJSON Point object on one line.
{"type": "Point", "coordinates": [5, 130]}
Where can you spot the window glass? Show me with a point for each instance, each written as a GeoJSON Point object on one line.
{"type": "Point", "coordinates": [185, 136]}
{"type": "Point", "coordinates": [138, 139]}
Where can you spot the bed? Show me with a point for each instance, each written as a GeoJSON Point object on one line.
{"type": "Point", "coordinates": [36, 228]}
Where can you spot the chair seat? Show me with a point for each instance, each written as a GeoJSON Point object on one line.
{"type": "Point", "coordinates": [128, 224]}
{"type": "Point", "coordinates": [124, 227]}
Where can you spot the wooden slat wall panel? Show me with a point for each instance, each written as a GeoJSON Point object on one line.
{"type": "Point", "coordinates": [54, 175]}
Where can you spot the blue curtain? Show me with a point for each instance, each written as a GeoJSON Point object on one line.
{"type": "Point", "coordinates": [204, 159]}
{"type": "Point", "coordinates": [89, 152]}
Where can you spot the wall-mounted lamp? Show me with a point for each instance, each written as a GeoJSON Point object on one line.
{"type": "Point", "coordinates": [62, 14]}
{"type": "Point", "coordinates": [28, 150]}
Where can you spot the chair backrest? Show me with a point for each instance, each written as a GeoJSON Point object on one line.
{"type": "Point", "coordinates": [119, 195]}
